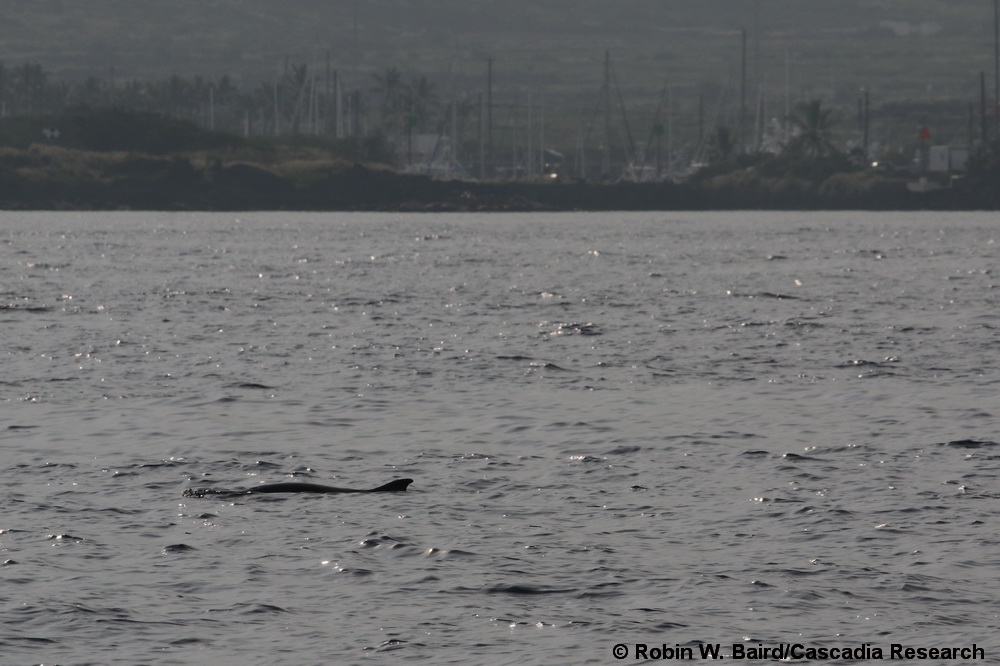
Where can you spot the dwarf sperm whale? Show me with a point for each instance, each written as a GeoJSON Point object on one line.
{"type": "Point", "coordinates": [397, 486]}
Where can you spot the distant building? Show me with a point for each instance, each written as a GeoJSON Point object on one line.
{"type": "Point", "coordinates": [947, 158]}
{"type": "Point", "coordinates": [429, 154]}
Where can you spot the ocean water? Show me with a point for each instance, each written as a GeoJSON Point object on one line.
{"type": "Point", "coordinates": [631, 436]}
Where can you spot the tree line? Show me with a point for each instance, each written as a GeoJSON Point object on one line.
{"type": "Point", "coordinates": [382, 109]}
{"type": "Point", "coordinates": [304, 99]}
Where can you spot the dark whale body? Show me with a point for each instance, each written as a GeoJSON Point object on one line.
{"type": "Point", "coordinates": [396, 486]}
{"type": "Point", "coordinates": [294, 487]}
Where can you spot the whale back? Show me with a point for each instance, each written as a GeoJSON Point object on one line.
{"type": "Point", "coordinates": [397, 486]}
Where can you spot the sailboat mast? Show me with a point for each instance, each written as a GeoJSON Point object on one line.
{"type": "Point", "coordinates": [606, 160]}
{"type": "Point", "coordinates": [996, 63]}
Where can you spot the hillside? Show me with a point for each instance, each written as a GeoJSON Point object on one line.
{"type": "Point", "coordinates": [919, 51]}
{"type": "Point", "coordinates": [900, 47]}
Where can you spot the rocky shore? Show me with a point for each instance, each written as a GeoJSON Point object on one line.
{"type": "Point", "coordinates": [50, 178]}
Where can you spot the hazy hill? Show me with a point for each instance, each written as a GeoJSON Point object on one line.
{"type": "Point", "coordinates": [903, 47]}
{"type": "Point", "coordinates": [917, 50]}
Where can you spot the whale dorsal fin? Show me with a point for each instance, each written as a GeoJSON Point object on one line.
{"type": "Point", "coordinates": [397, 486]}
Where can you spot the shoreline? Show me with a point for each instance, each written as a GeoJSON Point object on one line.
{"type": "Point", "coordinates": [46, 178]}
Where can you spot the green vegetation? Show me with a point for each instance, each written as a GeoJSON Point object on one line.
{"type": "Point", "coordinates": [112, 129]}
{"type": "Point", "coordinates": [811, 171]}
{"type": "Point", "coordinates": [984, 174]}
{"type": "Point", "coordinates": [250, 103]}
{"type": "Point", "coordinates": [254, 66]}
{"type": "Point", "coordinates": [120, 158]}
{"type": "Point", "coordinates": [812, 127]}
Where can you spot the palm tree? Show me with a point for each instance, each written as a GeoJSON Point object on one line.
{"type": "Point", "coordinates": [295, 85]}
{"type": "Point", "coordinates": [391, 89]}
{"type": "Point", "coordinates": [722, 144]}
{"type": "Point", "coordinates": [813, 127]}
{"type": "Point", "coordinates": [91, 92]}
{"type": "Point", "coordinates": [173, 96]}
{"type": "Point", "coordinates": [29, 84]}
{"type": "Point", "coordinates": [421, 96]}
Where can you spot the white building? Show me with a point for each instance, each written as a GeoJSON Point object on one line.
{"type": "Point", "coordinates": [947, 158]}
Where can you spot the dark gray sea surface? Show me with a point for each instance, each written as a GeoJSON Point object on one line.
{"type": "Point", "coordinates": [668, 430]}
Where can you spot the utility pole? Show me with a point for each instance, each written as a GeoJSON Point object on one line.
{"type": "Point", "coordinates": [482, 154]}
{"type": "Point", "coordinates": [759, 81]}
{"type": "Point", "coordinates": [972, 125]}
{"type": "Point", "coordinates": [864, 136]}
{"type": "Point", "coordinates": [701, 118]}
{"type": "Point", "coordinates": [529, 160]}
{"type": "Point", "coordinates": [338, 105]}
{"type": "Point", "coordinates": [277, 130]}
{"type": "Point", "coordinates": [354, 90]}
{"type": "Point", "coordinates": [453, 158]}
{"type": "Point", "coordinates": [211, 108]}
{"type": "Point", "coordinates": [982, 106]}
{"type": "Point", "coordinates": [541, 139]}
{"type": "Point", "coordinates": [606, 160]}
{"type": "Point", "coordinates": [788, 92]}
{"type": "Point", "coordinates": [327, 98]}
{"type": "Point", "coordinates": [452, 118]}
{"type": "Point", "coordinates": [743, 94]}
{"type": "Point", "coordinates": [758, 74]}
{"type": "Point", "coordinates": [996, 64]}
{"type": "Point", "coordinates": [489, 116]}
{"type": "Point", "coordinates": [670, 131]}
